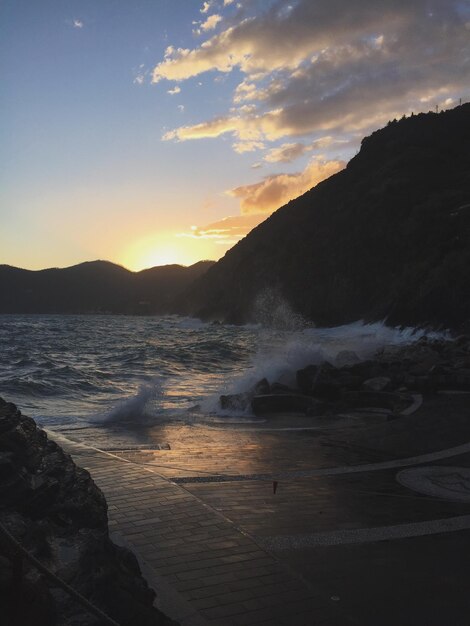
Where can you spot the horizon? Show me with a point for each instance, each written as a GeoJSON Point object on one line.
{"type": "Point", "coordinates": [65, 267]}
{"type": "Point", "coordinates": [162, 133]}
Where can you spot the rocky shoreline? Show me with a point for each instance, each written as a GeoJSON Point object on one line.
{"type": "Point", "coordinates": [385, 385]}
{"type": "Point", "coordinates": [54, 510]}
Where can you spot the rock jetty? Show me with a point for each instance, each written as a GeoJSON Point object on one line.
{"type": "Point", "coordinates": [386, 384]}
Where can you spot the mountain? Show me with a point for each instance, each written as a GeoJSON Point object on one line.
{"type": "Point", "coordinates": [92, 287]}
{"type": "Point", "coordinates": [387, 237]}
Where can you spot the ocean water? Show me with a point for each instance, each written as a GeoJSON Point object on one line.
{"type": "Point", "coordinates": [103, 374]}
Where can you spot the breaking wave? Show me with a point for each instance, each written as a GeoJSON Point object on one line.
{"type": "Point", "coordinates": [117, 371]}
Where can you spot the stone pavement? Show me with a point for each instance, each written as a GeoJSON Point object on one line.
{"type": "Point", "coordinates": [336, 544]}
{"type": "Point", "coordinates": [222, 577]}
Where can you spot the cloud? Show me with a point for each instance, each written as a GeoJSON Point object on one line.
{"type": "Point", "coordinates": [205, 7]}
{"type": "Point", "coordinates": [227, 2]}
{"type": "Point", "coordinates": [174, 91]}
{"type": "Point", "coordinates": [226, 231]}
{"type": "Point", "coordinates": [211, 22]}
{"type": "Point", "coordinates": [277, 39]}
{"type": "Point", "coordinates": [251, 127]}
{"type": "Point", "coordinates": [286, 153]}
{"type": "Point", "coordinates": [78, 24]}
{"type": "Point", "coordinates": [274, 191]}
{"type": "Point", "coordinates": [181, 107]}
{"type": "Point", "coordinates": [140, 74]}
{"type": "Point", "coordinates": [247, 146]}
{"type": "Point", "coordinates": [329, 66]}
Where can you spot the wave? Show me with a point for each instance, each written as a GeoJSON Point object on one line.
{"type": "Point", "coordinates": [280, 354]}
{"type": "Point", "coordinates": [140, 406]}
{"type": "Point", "coordinates": [64, 369]}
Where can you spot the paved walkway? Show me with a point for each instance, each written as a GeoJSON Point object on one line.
{"type": "Point", "coordinates": [336, 544]}
{"type": "Point", "coordinates": [221, 576]}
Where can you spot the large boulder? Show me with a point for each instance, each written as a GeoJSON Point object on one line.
{"type": "Point", "coordinates": [57, 513]}
{"type": "Point", "coordinates": [241, 402]}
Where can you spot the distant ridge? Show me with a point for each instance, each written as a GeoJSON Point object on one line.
{"type": "Point", "coordinates": [94, 287]}
{"type": "Point", "coordinates": [388, 237]}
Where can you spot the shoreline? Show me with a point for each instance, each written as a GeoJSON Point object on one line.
{"type": "Point", "coordinates": [228, 520]}
{"type": "Point", "coordinates": [239, 553]}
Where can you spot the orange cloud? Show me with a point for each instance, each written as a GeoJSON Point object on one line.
{"type": "Point", "coordinates": [286, 153]}
{"type": "Point", "coordinates": [227, 231]}
{"type": "Point", "coordinates": [275, 191]}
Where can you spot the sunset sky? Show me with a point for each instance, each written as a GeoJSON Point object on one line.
{"type": "Point", "coordinates": [149, 132]}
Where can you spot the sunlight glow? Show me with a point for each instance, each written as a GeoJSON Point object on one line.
{"type": "Point", "coordinates": [164, 249]}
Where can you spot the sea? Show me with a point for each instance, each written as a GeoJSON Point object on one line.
{"type": "Point", "coordinates": [105, 378]}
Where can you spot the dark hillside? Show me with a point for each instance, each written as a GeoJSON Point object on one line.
{"type": "Point", "coordinates": [94, 287]}
{"type": "Point", "coordinates": [389, 236]}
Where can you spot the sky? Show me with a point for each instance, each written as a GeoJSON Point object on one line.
{"type": "Point", "coordinates": [148, 132]}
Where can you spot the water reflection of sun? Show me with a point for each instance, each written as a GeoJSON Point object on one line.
{"type": "Point", "coordinates": [164, 249]}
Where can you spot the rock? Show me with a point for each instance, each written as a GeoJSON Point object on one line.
{"type": "Point", "coordinates": [6, 574]}
{"type": "Point", "coordinates": [462, 340]}
{"type": "Point", "coordinates": [328, 389]}
{"type": "Point", "coordinates": [282, 403]}
{"type": "Point", "coordinates": [326, 382]}
{"type": "Point", "coordinates": [380, 383]}
{"type": "Point", "coordinates": [54, 509]}
{"type": "Point", "coordinates": [280, 388]}
{"type": "Point", "coordinates": [349, 382]}
{"type": "Point", "coordinates": [261, 387]}
{"type": "Point", "coordinates": [307, 378]}
{"type": "Point", "coordinates": [242, 401]}
{"type": "Point", "coordinates": [346, 358]}
{"type": "Point", "coordinates": [235, 401]}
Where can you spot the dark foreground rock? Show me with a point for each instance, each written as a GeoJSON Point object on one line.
{"type": "Point", "coordinates": [56, 512]}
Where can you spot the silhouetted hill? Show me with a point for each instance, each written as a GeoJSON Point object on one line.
{"type": "Point", "coordinates": [92, 287]}
{"type": "Point", "coordinates": [389, 236]}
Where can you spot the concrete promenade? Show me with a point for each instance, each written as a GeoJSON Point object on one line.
{"type": "Point", "coordinates": [262, 525]}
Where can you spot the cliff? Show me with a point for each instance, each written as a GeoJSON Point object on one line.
{"type": "Point", "coordinates": [388, 237]}
{"type": "Point", "coordinates": [55, 511]}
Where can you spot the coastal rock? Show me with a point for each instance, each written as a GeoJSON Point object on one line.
{"type": "Point", "coordinates": [242, 401]}
{"type": "Point", "coordinates": [346, 358]}
{"type": "Point", "coordinates": [56, 512]}
{"type": "Point", "coordinates": [280, 388]}
{"type": "Point", "coordinates": [235, 401]}
{"type": "Point", "coordinates": [307, 378]}
{"type": "Point", "coordinates": [380, 383]}
{"type": "Point", "coordinates": [282, 403]}
{"type": "Point", "coordinates": [326, 382]}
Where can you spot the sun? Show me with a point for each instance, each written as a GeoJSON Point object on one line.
{"type": "Point", "coordinates": [165, 254]}
{"type": "Point", "coordinates": [163, 249]}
